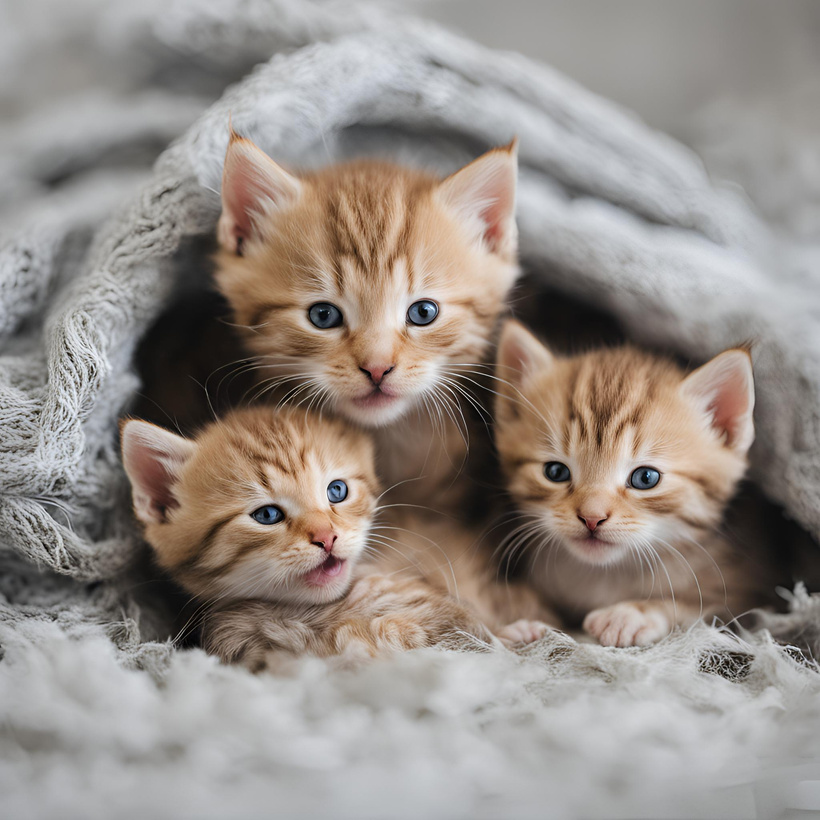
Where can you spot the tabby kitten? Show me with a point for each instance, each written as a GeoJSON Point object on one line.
{"type": "Point", "coordinates": [265, 516]}
{"type": "Point", "coordinates": [622, 467]}
{"type": "Point", "coordinates": [372, 289]}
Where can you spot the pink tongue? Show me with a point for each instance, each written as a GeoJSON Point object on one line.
{"type": "Point", "coordinates": [333, 566]}
{"type": "Point", "coordinates": [329, 569]}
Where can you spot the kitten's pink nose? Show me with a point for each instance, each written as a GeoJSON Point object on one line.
{"type": "Point", "coordinates": [323, 540]}
{"type": "Point", "coordinates": [592, 521]}
{"type": "Point", "coordinates": [376, 372]}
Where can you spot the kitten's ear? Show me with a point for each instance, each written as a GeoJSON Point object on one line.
{"type": "Point", "coordinates": [724, 389]}
{"type": "Point", "coordinates": [520, 355]}
{"type": "Point", "coordinates": [153, 458]}
{"type": "Point", "coordinates": [252, 184]}
{"type": "Point", "coordinates": [482, 194]}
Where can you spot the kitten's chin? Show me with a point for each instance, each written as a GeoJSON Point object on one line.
{"type": "Point", "coordinates": [595, 551]}
{"type": "Point", "coordinates": [373, 410]}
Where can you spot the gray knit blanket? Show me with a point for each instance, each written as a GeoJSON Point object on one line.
{"type": "Point", "coordinates": [100, 719]}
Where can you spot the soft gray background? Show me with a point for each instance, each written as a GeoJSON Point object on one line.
{"type": "Point", "coordinates": [737, 80]}
{"type": "Point", "coordinates": [665, 59]}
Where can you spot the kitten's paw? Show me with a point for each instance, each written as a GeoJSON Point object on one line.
{"type": "Point", "coordinates": [522, 631]}
{"type": "Point", "coordinates": [397, 632]}
{"type": "Point", "coordinates": [627, 625]}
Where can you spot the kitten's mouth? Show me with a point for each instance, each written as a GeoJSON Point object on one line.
{"type": "Point", "coordinates": [375, 399]}
{"type": "Point", "coordinates": [594, 548]}
{"type": "Point", "coordinates": [329, 570]}
{"type": "Point", "coordinates": [374, 409]}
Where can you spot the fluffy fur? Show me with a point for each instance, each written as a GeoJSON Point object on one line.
{"type": "Point", "coordinates": [281, 586]}
{"type": "Point", "coordinates": [379, 615]}
{"type": "Point", "coordinates": [629, 562]}
{"type": "Point", "coordinates": [456, 560]}
{"type": "Point", "coordinates": [567, 730]}
{"type": "Point", "coordinates": [371, 239]}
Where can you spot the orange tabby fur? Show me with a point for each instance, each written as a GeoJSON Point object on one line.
{"type": "Point", "coordinates": [455, 559]}
{"type": "Point", "coordinates": [266, 586]}
{"type": "Point", "coordinates": [629, 563]}
{"type": "Point", "coordinates": [195, 498]}
{"type": "Point", "coordinates": [380, 614]}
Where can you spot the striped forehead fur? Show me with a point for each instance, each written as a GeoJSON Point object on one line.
{"type": "Point", "coordinates": [609, 392]}
{"type": "Point", "coordinates": [284, 440]}
{"type": "Point", "coordinates": [371, 211]}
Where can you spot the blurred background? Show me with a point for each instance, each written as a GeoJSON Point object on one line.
{"type": "Point", "coordinates": [92, 91]}
{"type": "Point", "coordinates": [737, 80]}
{"type": "Point", "coordinates": [665, 59]}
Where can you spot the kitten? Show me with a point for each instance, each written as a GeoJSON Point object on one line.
{"type": "Point", "coordinates": [623, 466]}
{"type": "Point", "coordinates": [265, 517]}
{"type": "Point", "coordinates": [373, 290]}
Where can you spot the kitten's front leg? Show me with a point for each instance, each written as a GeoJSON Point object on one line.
{"type": "Point", "coordinates": [246, 632]}
{"type": "Point", "coordinates": [524, 615]}
{"type": "Point", "coordinates": [392, 613]}
{"type": "Point", "coordinates": [637, 623]}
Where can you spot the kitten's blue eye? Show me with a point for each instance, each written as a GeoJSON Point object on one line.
{"type": "Point", "coordinates": [422, 312]}
{"type": "Point", "coordinates": [268, 514]}
{"type": "Point", "coordinates": [644, 478]}
{"type": "Point", "coordinates": [336, 491]}
{"type": "Point", "coordinates": [557, 472]}
{"type": "Point", "coordinates": [324, 315]}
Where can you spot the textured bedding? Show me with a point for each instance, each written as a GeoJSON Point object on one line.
{"type": "Point", "coordinates": [100, 719]}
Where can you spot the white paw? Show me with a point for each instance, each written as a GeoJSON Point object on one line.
{"type": "Point", "coordinates": [626, 625]}
{"type": "Point", "coordinates": [522, 631]}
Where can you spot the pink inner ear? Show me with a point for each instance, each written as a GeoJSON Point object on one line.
{"type": "Point", "coordinates": [494, 203]}
{"type": "Point", "coordinates": [483, 194]}
{"type": "Point", "coordinates": [724, 388]}
{"type": "Point", "coordinates": [514, 356]}
{"type": "Point", "coordinates": [521, 353]}
{"type": "Point", "coordinates": [729, 408]}
{"type": "Point", "coordinates": [155, 485]}
{"type": "Point", "coordinates": [496, 217]}
{"type": "Point", "coordinates": [251, 184]}
{"type": "Point", "coordinates": [243, 196]}
{"type": "Point", "coordinates": [152, 458]}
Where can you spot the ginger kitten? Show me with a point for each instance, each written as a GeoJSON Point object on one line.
{"type": "Point", "coordinates": [260, 504]}
{"type": "Point", "coordinates": [265, 517]}
{"type": "Point", "coordinates": [372, 290]}
{"type": "Point", "coordinates": [623, 465]}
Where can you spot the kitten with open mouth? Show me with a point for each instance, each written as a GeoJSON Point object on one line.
{"type": "Point", "coordinates": [266, 517]}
